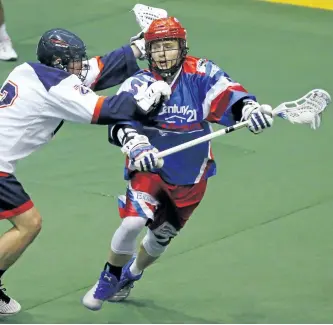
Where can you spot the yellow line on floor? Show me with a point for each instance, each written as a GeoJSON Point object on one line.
{"type": "Point", "coordinates": [320, 4]}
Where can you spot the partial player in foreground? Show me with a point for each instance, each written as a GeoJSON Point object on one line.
{"type": "Point", "coordinates": [7, 52]}
{"type": "Point", "coordinates": [35, 100]}
{"type": "Point", "coordinates": [164, 194]}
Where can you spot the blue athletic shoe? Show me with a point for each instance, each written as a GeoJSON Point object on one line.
{"type": "Point", "coordinates": [105, 287]}
{"type": "Point", "coordinates": [126, 283]}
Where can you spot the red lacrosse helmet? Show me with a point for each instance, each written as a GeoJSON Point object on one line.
{"type": "Point", "coordinates": [166, 29]}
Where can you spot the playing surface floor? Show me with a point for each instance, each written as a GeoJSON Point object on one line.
{"type": "Point", "coordinates": [259, 249]}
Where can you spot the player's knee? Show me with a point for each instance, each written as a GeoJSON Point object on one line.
{"type": "Point", "coordinates": [34, 224]}
{"type": "Point", "coordinates": [29, 223]}
{"type": "Point", "coordinates": [153, 246]}
{"type": "Point", "coordinates": [124, 239]}
{"type": "Point", "coordinates": [156, 241]}
{"type": "Point", "coordinates": [132, 226]}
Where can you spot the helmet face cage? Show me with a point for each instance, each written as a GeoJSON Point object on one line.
{"type": "Point", "coordinates": [74, 62]}
{"type": "Point", "coordinates": [179, 60]}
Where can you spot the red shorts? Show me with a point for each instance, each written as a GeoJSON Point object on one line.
{"type": "Point", "coordinates": [13, 199]}
{"type": "Point", "coordinates": [148, 196]}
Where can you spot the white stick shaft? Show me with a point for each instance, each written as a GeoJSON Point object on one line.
{"type": "Point", "coordinates": [205, 138]}
{"type": "Point", "coordinates": [281, 108]}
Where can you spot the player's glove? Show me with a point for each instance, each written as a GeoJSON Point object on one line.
{"type": "Point", "coordinates": [139, 41]}
{"type": "Point", "coordinates": [149, 97]}
{"type": "Point", "coordinates": [141, 154]}
{"type": "Point", "coordinates": [259, 116]}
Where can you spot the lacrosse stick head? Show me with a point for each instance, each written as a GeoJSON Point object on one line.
{"type": "Point", "coordinates": [306, 110]}
{"type": "Point", "coordinates": [145, 15]}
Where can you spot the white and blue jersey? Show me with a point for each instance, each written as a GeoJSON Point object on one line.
{"type": "Point", "coordinates": [202, 94]}
{"type": "Point", "coordinates": [35, 100]}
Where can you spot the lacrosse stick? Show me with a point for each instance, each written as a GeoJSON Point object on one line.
{"type": "Point", "coordinates": [306, 110]}
{"type": "Point", "coordinates": [145, 15]}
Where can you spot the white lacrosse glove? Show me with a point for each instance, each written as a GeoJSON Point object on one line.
{"type": "Point", "coordinates": [141, 154]}
{"type": "Point", "coordinates": [259, 116]}
{"type": "Point", "coordinates": [139, 41]}
{"type": "Point", "coordinates": [149, 97]}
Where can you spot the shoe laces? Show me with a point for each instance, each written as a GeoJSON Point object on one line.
{"type": "Point", "coordinates": [3, 296]}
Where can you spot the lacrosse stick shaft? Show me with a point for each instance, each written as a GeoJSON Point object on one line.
{"type": "Point", "coordinates": [313, 103]}
{"type": "Point", "coordinates": [205, 138]}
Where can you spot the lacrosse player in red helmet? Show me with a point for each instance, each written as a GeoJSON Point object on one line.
{"type": "Point", "coordinates": [164, 194]}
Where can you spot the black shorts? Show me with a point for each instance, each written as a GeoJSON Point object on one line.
{"type": "Point", "coordinates": [13, 198]}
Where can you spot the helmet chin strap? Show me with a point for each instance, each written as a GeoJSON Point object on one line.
{"type": "Point", "coordinates": [57, 63]}
{"type": "Point", "coordinates": [171, 78]}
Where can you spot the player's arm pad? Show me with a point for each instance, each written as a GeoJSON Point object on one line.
{"type": "Point", "coordinates": [124, 131]}
{"type": "Point", "coordinates": [237, 108]}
